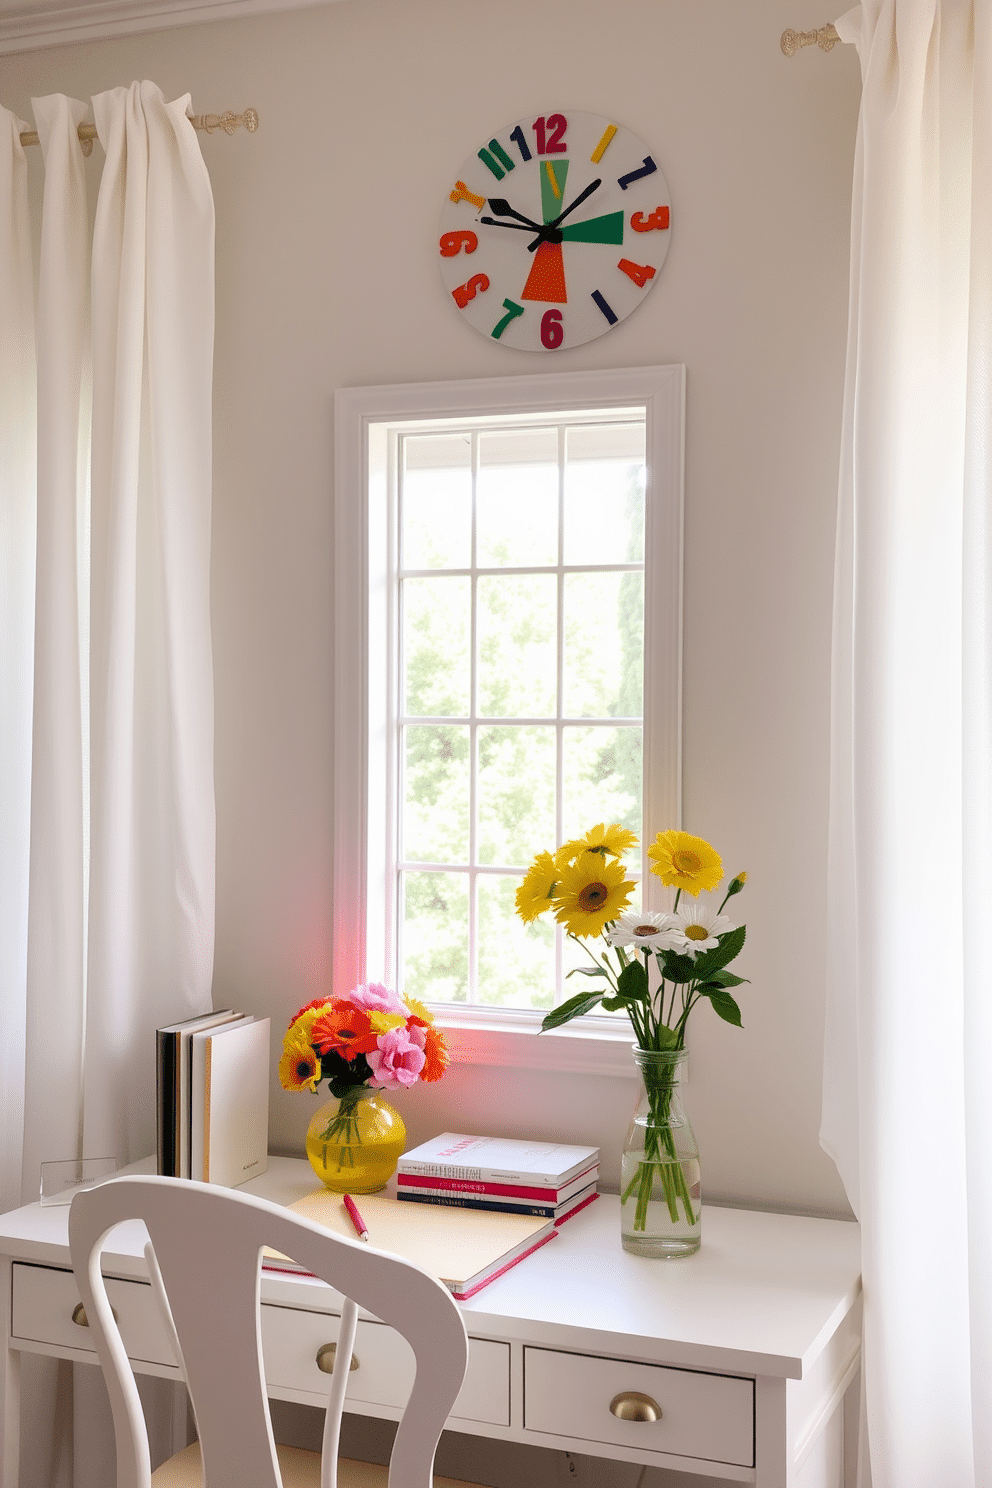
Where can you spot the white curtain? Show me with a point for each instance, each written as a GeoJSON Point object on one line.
{"type": "Point", "coordinates": [907, 1110]}
{"type": "Point", "coordinates": [106, 703]}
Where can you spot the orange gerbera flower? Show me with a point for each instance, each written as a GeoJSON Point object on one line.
{"type": "Point", "coordinates": [343, 1029]}
{"type": "Point", "coordinates": [436, 1054]}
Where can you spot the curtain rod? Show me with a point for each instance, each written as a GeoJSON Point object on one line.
{"type": "Point", "coordinates": [825, 39]}
{"type": "Point", "coordinates": [208, 123]}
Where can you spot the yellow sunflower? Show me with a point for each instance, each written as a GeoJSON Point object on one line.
{"type": "Point", "coordinates": [615, 840]}
{"type": "Point", "coordinates": [590, 892]}
{"type": "Point", "coordinates": [299, 1067]}
{"type": "Point", "coordinates": [537, 890]}
{"type": "Point", "coordinates": [685, 862]}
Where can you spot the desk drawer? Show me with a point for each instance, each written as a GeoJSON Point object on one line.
{"type": "Point", "coordinates": [44, 1300]}
{"type": "Point", "coordinates": [291, 1339]}
{"type": "Point", "coordinates": [710, 1416]}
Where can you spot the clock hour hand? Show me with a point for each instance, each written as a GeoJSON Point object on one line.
{"type": "Point", "coordinates": [551, 226]}
{"type": "Point", "coordinates": [502, 208]}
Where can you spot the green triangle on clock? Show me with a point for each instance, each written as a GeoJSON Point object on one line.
{"type": "Point", "coordinates": [606, 229]}
{"type": "Point", "coordinates": [553, 175]}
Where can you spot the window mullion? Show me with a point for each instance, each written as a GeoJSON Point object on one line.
{"type": "Point", "coordinates": [560, 697]}
{"type": "Point", "coordinates": [473, 737]}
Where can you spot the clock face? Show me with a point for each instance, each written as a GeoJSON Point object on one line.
{"type": "Point", "coordinates": [554, 231]}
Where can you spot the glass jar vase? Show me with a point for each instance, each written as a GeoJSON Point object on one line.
{"type": "Point", "coordinates": [660, 1195]}
{"type": "Point", "coordinates": [355, 1143]}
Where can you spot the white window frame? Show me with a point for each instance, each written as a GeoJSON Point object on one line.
{"type": "Point", "coordinates": [365, 420]}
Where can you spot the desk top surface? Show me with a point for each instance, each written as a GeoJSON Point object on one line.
{"type": "Point", "coordinates": [764, 1293]}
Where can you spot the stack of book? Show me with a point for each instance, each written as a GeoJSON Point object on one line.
{"type": "Point", "coordinates": [212, 1088]}
{"type": "Point", "coordinates": [549, 1179]}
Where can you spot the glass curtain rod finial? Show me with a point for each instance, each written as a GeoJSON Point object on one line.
{"type": "Point", "coordinates": [825, 38]}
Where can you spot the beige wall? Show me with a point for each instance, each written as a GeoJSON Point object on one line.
{"type": "Point", "coordinates": [327, 278]}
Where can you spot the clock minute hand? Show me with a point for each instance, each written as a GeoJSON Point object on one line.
{"type": "Point", "coordinates": [502, 208]}
{"type": "Point", "coordinates": [593, 186]}
{"type": "Point", "coordinates": [582, 196]}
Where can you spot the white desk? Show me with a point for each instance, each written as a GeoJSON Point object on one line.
{"type": "Point", "coordinates": [749, 1346]}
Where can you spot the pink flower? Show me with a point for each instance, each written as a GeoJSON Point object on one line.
{"type": "Point", "coordinates": [373, 997]}
{"type": "Point", "coordinates": [398, 1060]}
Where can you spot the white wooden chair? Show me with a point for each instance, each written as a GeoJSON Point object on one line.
{"type": "Point", "coordinates": [204, 1258]}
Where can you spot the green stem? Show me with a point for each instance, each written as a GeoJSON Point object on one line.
{"type": "Point", "coordinates": [661, 1162]}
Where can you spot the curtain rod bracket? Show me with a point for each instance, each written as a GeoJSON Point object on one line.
{"type": "Point", "coordinates": [826, 38]}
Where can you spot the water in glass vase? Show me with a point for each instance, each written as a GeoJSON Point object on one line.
{"type": "Point", "coordinates": [661, 1209]}
{"type": "Point", "coordinates": [355, 1143]}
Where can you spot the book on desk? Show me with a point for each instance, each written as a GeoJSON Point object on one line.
{"type": "Point", "coordinates": [212, 1092]}
{"type": "Point", "coordinates": [464, 1249]}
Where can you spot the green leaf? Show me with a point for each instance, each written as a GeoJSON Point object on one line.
{"type": "Point", "coordinates": [573, 1008]}
{"type": "Point", "coordinates": [586, 971]}
{"type": "Point", "coordinates": [632, 983]}
{"type": "Point", "coordinates": [726, 1007]}
{"type": "Point", "coordinates": [730, 946]}
{"type": "Point", "coordinates": [727, 979]}
{"type": "Point", "coordinates": [612, 1004]}
{"type": "Point", "coordinates": [678, 969]}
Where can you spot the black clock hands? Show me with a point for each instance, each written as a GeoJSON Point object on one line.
{"type": "Point", "coordinates": [549, 233]}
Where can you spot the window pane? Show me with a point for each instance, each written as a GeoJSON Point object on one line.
{"type": "Point", "coordinates": [604, 645]}
{"type": "Point", "coordinates": [604, 494]}
{"type": "Point", "coordinates": [436, 501]}
{"type": "Point", "coordinates": [517, 646]}
{"type": "Point", "coordinates": [516, 961]}
{"type": "Point", "coordinates": [516, 794]}
{"type": "Point", "coordinates": [602, 780]}
{"type": "Point", "coordinates": [517, 516]}
{"type": "Point", "coordinates": [435, 628]}
{"type": "Point", "coordinates": [434, 917]}
{"type": "Point", "coordinates": [435, 795]}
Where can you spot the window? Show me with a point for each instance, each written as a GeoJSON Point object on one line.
{"type": "Point", "coordinates": [507, 672]}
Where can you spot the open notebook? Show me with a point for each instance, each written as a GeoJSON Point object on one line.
{"type": "Point", "coordinates": [462, 1248]}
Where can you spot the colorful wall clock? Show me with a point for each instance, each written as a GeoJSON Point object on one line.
{"type": "Point", "coordinates": [554, 231]}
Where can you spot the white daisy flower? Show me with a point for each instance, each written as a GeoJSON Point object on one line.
{"type": "Point", "coordinates": [697, 928]}
{"type": "Point", "coordinates": [643, 929]}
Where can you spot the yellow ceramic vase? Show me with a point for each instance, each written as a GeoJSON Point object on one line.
{"type": "Point", "coordinates": [355, 1143]}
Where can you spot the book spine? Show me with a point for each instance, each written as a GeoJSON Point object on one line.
{"type": "Point", "coordinates": [464, 1201]}
{"type": "Point", "coordinates": [499, 1190]}
{"type": "Point", "coordinates": [165, 1071]}
{"type": "Point", "coordinates": [469, 1174]}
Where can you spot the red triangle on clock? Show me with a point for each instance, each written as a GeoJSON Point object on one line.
{"type": "Point", "coordinates": [546, 280]}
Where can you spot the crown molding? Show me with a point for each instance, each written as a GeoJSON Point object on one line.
{"type": "Point", "coordinates": [37, 24]}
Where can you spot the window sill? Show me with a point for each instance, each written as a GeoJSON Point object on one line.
{"type": "Point", "coordinates": [599, 1048]}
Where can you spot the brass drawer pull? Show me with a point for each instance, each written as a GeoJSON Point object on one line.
{"type": "Point", "coordinates": [631, 1405]}
{"type": "Point", "coordinates": [82, 1321]}
{"type": "Point", "coordinates": [325, 1358]}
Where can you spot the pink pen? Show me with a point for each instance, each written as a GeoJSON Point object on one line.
{"type": "Point", "coordinates": [356, 1218]}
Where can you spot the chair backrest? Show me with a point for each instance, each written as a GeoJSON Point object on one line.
{"type": "Point", "coordinates": [207, 1242]}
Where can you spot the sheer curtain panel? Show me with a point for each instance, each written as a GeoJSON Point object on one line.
{"type": "Point", "coordinates": [907, 1109]}
{"type": "Point", "coordinates": [106, 774]}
